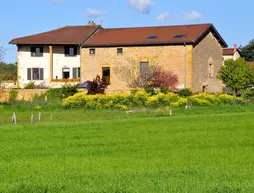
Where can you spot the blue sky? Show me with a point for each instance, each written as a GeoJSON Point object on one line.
{"type": "Point", "coordinates": [233, 19]}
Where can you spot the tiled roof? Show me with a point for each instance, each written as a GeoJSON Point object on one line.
{"type": "Point", "coordinates": [228, 51]}
{"type": "Point", "coordinates": [65, 35]}
{"type": "Point", "coordinates": [190, 34]}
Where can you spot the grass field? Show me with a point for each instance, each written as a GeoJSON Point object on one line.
{"type": "Point", "coordinates": [208, 149]}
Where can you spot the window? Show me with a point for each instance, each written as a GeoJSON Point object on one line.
{"type": "Point", "coordinates": [144, 67]}
{"type": "Point", "coordinates": [36, 51]}
{"type": "Point", "coordinates": [92, 51]}
{"type": "Point", "coordinates": [119, 50]}
{"type": "Point", "coordinates": [66, 73]}
{"type": "Point", "coordinates": [70, 51]}
{"type": "Point", "coordinates": [76, 73]}
{"type": "Point", "coordinates": [106, 74]}
{"type": "Point", "coordinates": [152, 37]}
{"type": "Point", "coordinates": [35, 74]}
{"type": "Point", "coordinates": [210, 70]}
{"type": "Point", "coordinates": [179, 36]}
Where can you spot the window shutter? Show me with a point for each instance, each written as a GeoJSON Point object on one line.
{"type": "Point", "coordinates": [29, 74]}
{"type": "Point", "coordinates": [32, 51]}
{"type": "Point", "coordinates": [41, 74]}
{"type": "Point", "coordinates": [41, 49]}
{"type": "Point", "coordinates": [75, 51]}
{"type": "Point", "coordinates": [74, 73]}
{"type": "Point", "coordinates": [66, 51]}
{"type": "Point", "coordinates": [78, 72]}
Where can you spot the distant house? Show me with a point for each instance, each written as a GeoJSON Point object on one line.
{"type": "Point", "coordinates": [231, 53]}
{"type": "Point", "coordinates": [79, 53]}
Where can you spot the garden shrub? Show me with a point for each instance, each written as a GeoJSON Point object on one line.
{"type": "Point", "coordinates": [30, 85]}
{"type": "Point", "coordinates": [249, 94]}
{"type": "Point", "coordinates": [68, 90]}
{"type": "Point", "coordinates": [140, 98]}
{"type": "Point", "coordinates": [13, 95]}
{"type": "Point", "coordinates": [185, 92]}
{"type": "Point", "coordinates": [97, 86]}
{"type": "Point", "coordinates": [143, 99]}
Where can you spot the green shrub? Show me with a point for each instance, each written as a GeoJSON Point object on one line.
{"type": "Point", "coordinates": [30, 85]}
{"type": "Point", "coordinates": [13, 95]}
{"type": "Point", "coordinates": [249, 94]}
{"type": "Point", "coordinates": [68, 90]}
{"type": "Point", "coordinates": [186, 92]}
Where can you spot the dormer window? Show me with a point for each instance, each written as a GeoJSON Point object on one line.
{"type": "Point", "coordinates": [70, 51]}
{"type": "Point", "coordinates": [36, 51]}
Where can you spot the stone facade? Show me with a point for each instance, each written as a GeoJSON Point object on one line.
{"type": "Point", "coordinates": [170, 57]}
{"type": "Point", "coordinates": [207, 52]}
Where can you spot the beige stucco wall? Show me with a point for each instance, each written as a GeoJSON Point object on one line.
{"type": "Point", "coordinates": [225, 57]}
{"type": "Point", "coordinates": [26, 61]}
{"type": "Point", "coordinates": [207, 51]}
{"type": "Point", "coordinates": [170, 57]}
{"type": "Point", "coordinates": [59, 61]}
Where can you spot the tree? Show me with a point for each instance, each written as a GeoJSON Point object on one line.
{"type": "Point", "coordinates": [165, 79]}
{"type": "Point", "coordinates": [236, 75]}
{"type": "Point", "coordinates": [130, 72]}
{"type": "Point", "coordinates": [248, 51]}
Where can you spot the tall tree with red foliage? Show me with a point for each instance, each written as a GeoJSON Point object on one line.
{"type": "Point", "coordinates": [165, 79]}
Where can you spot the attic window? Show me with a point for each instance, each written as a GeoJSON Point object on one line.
{"type": "Point", "coordinates": [179, 36]}
{"type": "Point", "coordinates": [152, 37]}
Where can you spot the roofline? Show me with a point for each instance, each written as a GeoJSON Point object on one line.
{"type": "Point", "coordinates": [136, 44]}
{"type": "Point", "coordinates": [11, 42]}
{"type": "Point", "coordinates": [206, 32]}
{"type": "Point", "coordinates": [91, 35]}
{"type": "Point", "coordinates": [158, 26]}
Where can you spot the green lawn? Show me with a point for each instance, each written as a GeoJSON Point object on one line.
{"type": "Point", "coordinates": [201, 150]}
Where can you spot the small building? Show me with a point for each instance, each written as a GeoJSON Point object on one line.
{"type": "Point", "coordinates": [231, 53]}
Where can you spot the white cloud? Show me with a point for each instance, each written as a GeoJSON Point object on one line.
{"type": "Point", "coordinates": [142, 6]}
{"type": "Point", "coordinates": [192, 16]}
{"type": "Point", "coordinates": [58, 1]}
{"type": "Point", "coordinates": [163, 17]}
{"type": "Point", "coordinates": [189, 16]}
{"type": "Point", "coordinates": [94, 13]}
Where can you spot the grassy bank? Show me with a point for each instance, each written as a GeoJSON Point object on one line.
{"type": "Point", "coordinates": [202, 150]}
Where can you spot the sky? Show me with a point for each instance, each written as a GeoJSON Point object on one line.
{"type": "Point", "coordinates": [232, 19]}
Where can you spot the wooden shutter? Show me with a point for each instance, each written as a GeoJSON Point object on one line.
{"type": "Point", "coordinates": [78, 73]}
{"type": "Point", "coordinates": [41, 50]}
{"type": "Point", "coordinates": [41, 74]}
{"type": "Point", "coordinates": [74, 73]}
{"type": "Point", "coordinates": [32, 51]}
{"type": "Point", "coordinates": [66, 51]}
{"type": "Point", "coordinates": [75, 51]}
{"type": "Point", "coordinates": [29, 74]}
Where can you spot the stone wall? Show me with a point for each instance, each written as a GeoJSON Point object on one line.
{"type": "Point", "coordinates": [207, 52]}
{"type": "Point", "coordinates": [23, 94]}
{"type": "Point", "coordinates": [169, 57]}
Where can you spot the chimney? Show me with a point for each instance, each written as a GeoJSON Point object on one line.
{"type": "Point", "coordinates": [91, 23]}
{"type": "Point", "coordinates": [235, 48]}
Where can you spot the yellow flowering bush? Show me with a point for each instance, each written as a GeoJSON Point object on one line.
{"type": "Point", "coordinates": [140, 98]}
{"type": "Point", "coordinates": [224, 98]}
{"type": "Point", "coordinates": [143, 99]}
{"type": "Point", "coordinates": [180, 103]}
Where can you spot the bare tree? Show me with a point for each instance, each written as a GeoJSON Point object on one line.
{"type": "Point", "coordinates": [2, 54]}
{"type": "Point", "coordinates": [130, 72]}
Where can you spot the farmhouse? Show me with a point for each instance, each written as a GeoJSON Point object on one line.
{"type": "Point", "coordinates": [79, 53]}
{"type": "Point", "coordinates": [231, 53]}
